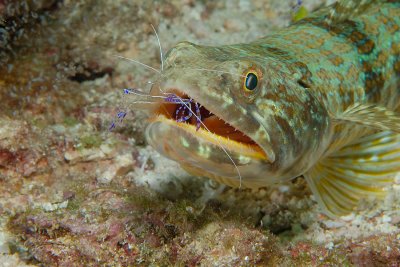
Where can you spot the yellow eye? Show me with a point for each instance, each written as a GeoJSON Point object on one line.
{"type": "Point", "coordinates": [251, 81]}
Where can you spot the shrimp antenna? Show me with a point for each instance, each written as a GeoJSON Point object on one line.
{"type": "Point", "coordinates": [138, 62]}
{"type": "Point", "coordinates": [138, 92]}
{"type": "Point", "coordinates": [168, 98]}
{"type": "Point", "coordinates": [159, 45]}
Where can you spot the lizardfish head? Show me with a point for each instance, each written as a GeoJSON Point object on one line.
{"type": "Point", "coordinates": [236, 115]}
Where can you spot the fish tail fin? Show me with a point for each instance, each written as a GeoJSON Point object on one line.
{"type": "Point", "coordinates": [358, 171]}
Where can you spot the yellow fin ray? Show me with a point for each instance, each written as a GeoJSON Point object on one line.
{"type": "Point", "coordinates": [337, 190]}
{"type": "Point", "coordinates": [374, 170]}
{"type": "Point", "coordinates": [358, 171]}
{"type": "Point", "coordinates": [355, 183]}
{"type": "Point", "coordinates": [371, 116]}
{"type": "Point", "coordinates": [330, 200]}
{"type": "Point", "coordinates": [371, 144]}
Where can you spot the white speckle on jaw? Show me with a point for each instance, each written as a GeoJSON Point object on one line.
{"type": "Point", "coordinates": [227, 98]}
{"type": "Point", "coordinates": [204, 151]}
{"type": "Point", "coordinates": [263, 127]}
{"type": "Point", "coordinates": [184, 142]}
{"type": "Point", "coordinates": [244, 160]}
{"type": "Point", "coordinates": [243, 110]}
{"type": "Point", "coordinates": [226, 106]}
{"type": "Point", "coordinates": [215, 95]}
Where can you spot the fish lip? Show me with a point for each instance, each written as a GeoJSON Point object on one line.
{"type": "Point", "coordinates": [255, 152]}
{"type": "Point", "coordinates": [265, 147]}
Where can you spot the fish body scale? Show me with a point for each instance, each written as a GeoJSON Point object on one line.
{"type": "Point", "coordinates": [356, 60]}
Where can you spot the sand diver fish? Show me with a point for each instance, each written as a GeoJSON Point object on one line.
{"type": "Point", "coordinates": [318, 99]}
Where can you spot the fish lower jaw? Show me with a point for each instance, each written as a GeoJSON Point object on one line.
{"type": "Point", "coordinates": [231, 146]}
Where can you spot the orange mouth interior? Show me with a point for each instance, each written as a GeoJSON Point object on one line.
{"type": "Point", "coordinates": [195, 114]}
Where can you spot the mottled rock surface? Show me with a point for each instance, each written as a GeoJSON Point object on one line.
{"type": "Point", "coordinates": [73, 193]}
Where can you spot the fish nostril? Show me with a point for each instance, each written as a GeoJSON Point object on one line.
{"type": "Point", "coordinates": [224, 79]}
{"type": "Point", "coordinates": [303, 84]}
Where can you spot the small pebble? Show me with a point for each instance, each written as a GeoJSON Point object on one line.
{"type": "Point", "coordinates": [122, 46]}
{"type": "Point", "coordinates": [333, 224]}
{"type": "Point", "coordinates": [386, 219]}
{"type": "Point", "coordinates": [68, 195]}
{"type": "Point", "coordinates": [395, 219]}
{"type": "Point", "coordinates": [329, 246]}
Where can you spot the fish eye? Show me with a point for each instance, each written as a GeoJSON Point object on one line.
{"type": "Point", "coordinates": [251, 81]}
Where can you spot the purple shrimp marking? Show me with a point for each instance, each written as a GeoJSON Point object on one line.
{"type": "Point", "coordinates": [112, 126]}
{"type": "Point", "coordinates": [127, 91]}
{"type": "Point", "coordinates": [173, 98]}
{"type": "Point", "coordinates": [120, 115]}
{"type": "Point", "coordinates": [185, 106]}
{"type": "Point", "coordinates": [297, 6]}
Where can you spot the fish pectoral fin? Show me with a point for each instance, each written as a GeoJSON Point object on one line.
{"type": "Point", "coordinates": [372, 116]}
{"type": "Point", "coordinates": [360, 170]}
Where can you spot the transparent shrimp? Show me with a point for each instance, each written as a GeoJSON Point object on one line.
{"type": "Point", "coordinates": [184, 112]}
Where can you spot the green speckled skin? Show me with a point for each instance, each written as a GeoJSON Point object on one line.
{"type": "Point", "coordinates": [354, 61]}
{"type": "Point", "coordinates": [309, 72]}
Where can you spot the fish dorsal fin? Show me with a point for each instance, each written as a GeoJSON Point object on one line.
{"type": "Point", "coordinates": [360, 170]}
{"type": "Point", "coordinates": [371, 116]}
{"type": "Point", "coordinates": [345, 9]}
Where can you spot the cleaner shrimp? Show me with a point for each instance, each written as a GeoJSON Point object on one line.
{"type": "Point", "coordinates": [187, 108]}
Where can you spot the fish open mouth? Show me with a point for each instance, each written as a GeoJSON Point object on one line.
{"type": "Point", "coordinates": [182, 111]}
